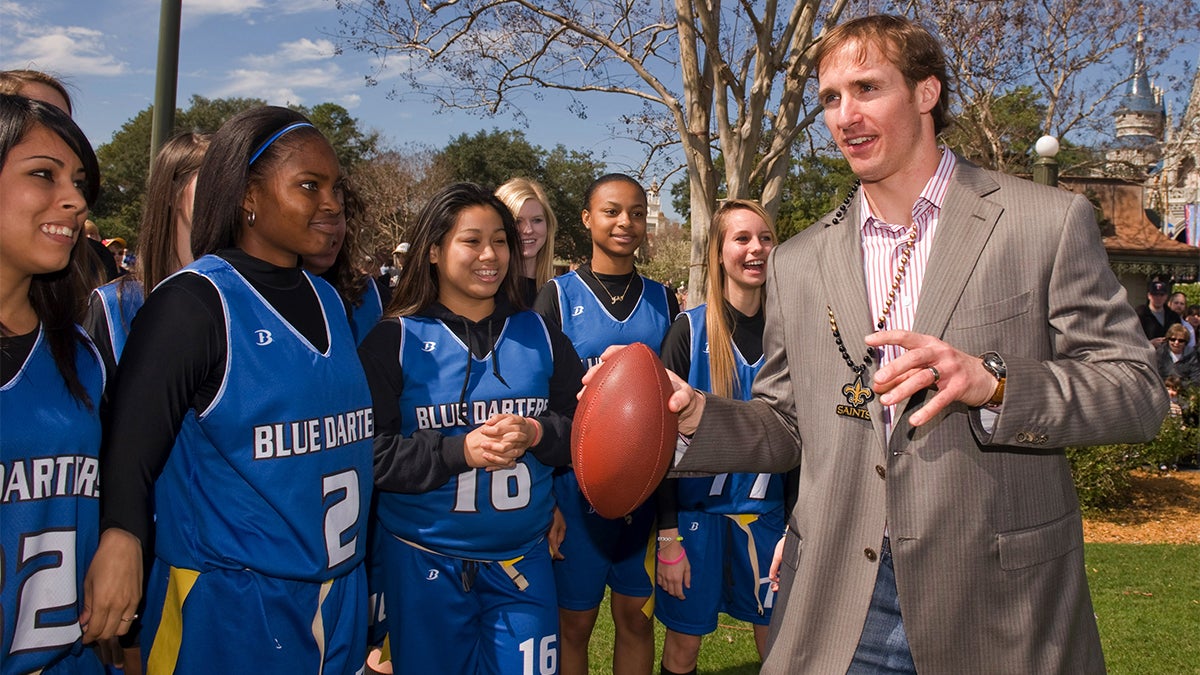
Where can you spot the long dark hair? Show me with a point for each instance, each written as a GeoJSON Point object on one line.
{"type": "Point", "coordinates": [417, 287]}
{"type": "Point", "coordinates": [344, 274]}
{"type": "Point", "coordinates": [59, 298]}
{"type": "Point", "coordinates": [226, 173]}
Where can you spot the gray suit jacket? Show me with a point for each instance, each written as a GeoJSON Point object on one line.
{"type": "Point", "coordinates": [985, 527]}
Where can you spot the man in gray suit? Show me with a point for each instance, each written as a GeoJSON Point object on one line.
{"type": "Point", "coordinates": [930, 349]}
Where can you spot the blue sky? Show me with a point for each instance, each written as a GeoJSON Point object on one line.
{"type": "Point", "coordinates": [279, 51]}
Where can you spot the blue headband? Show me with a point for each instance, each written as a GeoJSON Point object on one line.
{"type": "Point", "coordinates": [263, 148]}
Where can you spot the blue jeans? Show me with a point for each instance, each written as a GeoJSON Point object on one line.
{"type": "Point", "coordinates": [883, 647]}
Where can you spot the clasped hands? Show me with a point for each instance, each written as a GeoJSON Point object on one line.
{"type": "Point", "coordinates": [500, 441]}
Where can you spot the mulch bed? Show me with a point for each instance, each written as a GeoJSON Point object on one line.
{"type": "Point", "coordinates": [1165, 510]}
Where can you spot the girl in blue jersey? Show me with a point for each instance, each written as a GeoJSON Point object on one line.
{"type": "Point", "coordinates": [363, 298]}
{"type": "Point", "coordinates": [240, 400]}
{"type": "Point", "coordinates": [473, 403]}
{"type": "Point", "coordinates": [164, 244]}
{"type": "Point", "coordinates": [51, 379]}
{"type": "Point", "coordinates": [716, 535]}
{"type": "Point", "coordinates": [603, 303]}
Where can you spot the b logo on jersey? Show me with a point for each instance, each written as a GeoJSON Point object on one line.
{"type": "Point", "coordinates": [432, 575]}
{"type": "Point", "coordinates": [428, 346]}
{"type": "Point", "coordinates": [706, 347]}
{"type": "Point", "coordinates": [263, 337]}
{"type": "Point", "coordinates": [577, 310]}
{"type": "Point", "coordinates": [694, 527]}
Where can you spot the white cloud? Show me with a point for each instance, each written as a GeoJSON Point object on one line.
{"type": "Point", "coordinates": [64, 50]}
{"type": "Point", "coordinates": [193, 8]}
{"type": "Point", "coordinates": [302, 6]}
{"type": "Point", "coordinates": [303, 50]}
{"type": "Point", "coordinates": [15, 11]}
{"type": "Point", "coordinates": [303, 72]}
{"type": "Point", "coordinates": [241, 7]}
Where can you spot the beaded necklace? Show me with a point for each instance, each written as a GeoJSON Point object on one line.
{"type": "Point", "coordinates": [857, 393]}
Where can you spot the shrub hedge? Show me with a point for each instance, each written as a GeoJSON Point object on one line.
{"type": "Point", "coordinates": [1101, 472]}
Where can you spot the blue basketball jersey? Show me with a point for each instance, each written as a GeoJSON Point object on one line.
{"type": "Point", "coordinates": [592, 329]}
{"type": "Point", "coordinates": [120, 299]}
{"type": "Point", "coordinates": [364, 317]}
{"type": "Point", "coordinates": [726, 492]}
{"type": "Point", "coordinates": [50, 508]}
{"type": "Point", "coordinates": [478, 514]}
{"type": "Point", "coordinates": [275, 475]}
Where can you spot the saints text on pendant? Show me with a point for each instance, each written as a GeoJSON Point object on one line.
{"type": "Point", "coordinates": [851, 411]}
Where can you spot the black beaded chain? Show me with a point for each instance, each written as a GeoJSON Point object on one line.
{"type": "Point", "coordinates": [901, 270]}
{"type": "Point", "coordinates": [858, 368]}
{"type": "Point", "coordinates": [841, 210]}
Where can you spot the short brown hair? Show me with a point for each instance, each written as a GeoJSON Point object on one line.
{"type": "Point", "coordinates": [909, 46]}
{"type": "Point", "coordinates": [1176, 330]}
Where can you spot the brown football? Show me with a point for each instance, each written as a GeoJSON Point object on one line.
{"type": "Point", "coordinates": [623, 435]}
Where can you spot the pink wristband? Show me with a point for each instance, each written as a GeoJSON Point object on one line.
{"type": "Point", "coordinates": [682, 553]}
{"type": "Point", "coordinates": [537, 437]}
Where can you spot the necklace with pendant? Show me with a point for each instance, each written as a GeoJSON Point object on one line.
{"type": "Point", "coordinates": [614, 298]}
{"type": "Point", "coordinates": [857, 393]}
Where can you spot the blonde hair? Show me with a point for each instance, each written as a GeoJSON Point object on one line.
{"type": "Point", "coordinates": [514, 194]}
{"type": "Point", "coordinates": [722, 369]}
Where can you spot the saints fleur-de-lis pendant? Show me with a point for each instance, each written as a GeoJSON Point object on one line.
{"type": "Point", "coordinates": [857, 396]}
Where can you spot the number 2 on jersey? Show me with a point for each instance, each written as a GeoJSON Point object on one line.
{"type": "Point", "coordinates": [341, 515]}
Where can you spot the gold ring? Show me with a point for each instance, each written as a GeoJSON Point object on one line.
{"type": "Point", "coordinates": [129, 619]}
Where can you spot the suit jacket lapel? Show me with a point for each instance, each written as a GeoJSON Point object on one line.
{"type": "Point", "coordinates": [846, 287]}
{"type": "Point", "coordinates": [964, 226]}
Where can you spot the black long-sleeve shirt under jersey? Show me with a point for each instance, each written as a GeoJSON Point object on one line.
{"type": "Point", "coordinates": [677, 357]}
{"type": "Point", "coordinates": [427, 459]}
{"type": "Point", "coordinates": [604, 286]}
{"type": "Point", "coordinates": [175, 361]}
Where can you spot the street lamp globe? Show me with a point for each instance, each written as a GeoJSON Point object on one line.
{"type": "Point", "coordinates": [1046, 146]}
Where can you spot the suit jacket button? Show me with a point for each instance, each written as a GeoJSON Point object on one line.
{"type": "Point", "coordinates": [881, 471]}
{"type": "Point", "coordinates": [1022, 437]}
{"type": "Point", "coordinates": [870, 553]}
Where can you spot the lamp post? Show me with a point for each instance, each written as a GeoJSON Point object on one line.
{"type": "Point", "coordinates": [1045, 169]}
{"type": "Point", "coordinates": [166, 75]}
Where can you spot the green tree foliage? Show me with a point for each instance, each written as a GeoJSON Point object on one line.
{"type": "Point", "coordinates": [668, 255]}
{"type": "Point", "coordinates": [351, 143]}
{"type": "Point", "coordinates": [125, 160]}
{"type": "Point", "coordinates": [492, 157]}
{"type": "Point", "coordinates": [815, 185]}
{"type": "Point", "coordinates": [1000, 134]}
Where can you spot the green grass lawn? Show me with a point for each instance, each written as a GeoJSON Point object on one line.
{"type": "Point", "coordinates": [1147, 601]}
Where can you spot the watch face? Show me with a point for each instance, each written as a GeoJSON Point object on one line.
{"type": "Point", "coordinates": [994, 364]}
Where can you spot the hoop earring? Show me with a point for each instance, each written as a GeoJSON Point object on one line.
{"type": "Point", "coordinates": [250, 219]}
